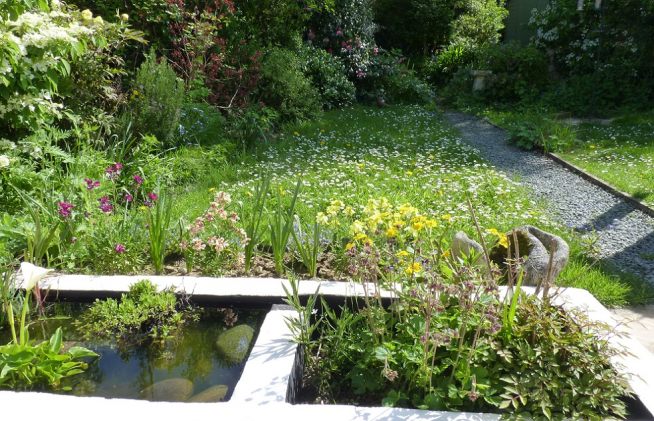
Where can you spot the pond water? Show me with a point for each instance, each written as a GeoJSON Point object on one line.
{"type": "Point", "coordinates": [187, 367]}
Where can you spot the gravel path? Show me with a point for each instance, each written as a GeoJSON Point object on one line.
{"type": "Point", "coordinates": [626, 235]}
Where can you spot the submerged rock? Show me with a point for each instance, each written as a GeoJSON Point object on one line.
{"type": "Point", "coordinates": [170, 390]}
{"type": "Point", "coordinates": [233, 344]}
{"type": "Point", "coordinates": [212, 394]}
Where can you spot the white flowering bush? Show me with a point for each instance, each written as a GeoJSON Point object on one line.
{"type": "Point", "coordinates": [40, 45]}
{"type": "Point", "coordinates": [604, 47]}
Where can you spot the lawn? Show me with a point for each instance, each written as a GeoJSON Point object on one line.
{"type": "Point", "coordinates": [622, 154]}
{"type": "Point", "coordinates": [406, 154]}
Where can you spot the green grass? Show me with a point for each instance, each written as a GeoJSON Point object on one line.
{"type": "Point", "coordinates": [407, 155]}
{"type": "Point", "coordinates": [622, 154]}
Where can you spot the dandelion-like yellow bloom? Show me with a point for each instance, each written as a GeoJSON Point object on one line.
{"type": "Point", "coordinates": [447, 217]}
{"type": "Point", "coordinates": [502, 239]}
{"type": "Point", "coordinates": [391, 232]}
{"type": "Point", "coordinates": [413, 268]}
{"type": "Point", "coordinates": [403, 253]}
{"type": "Point", "coordinates": [349, 246]}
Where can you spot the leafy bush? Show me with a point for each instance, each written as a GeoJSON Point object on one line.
{"type": "Point", "coordinates": [604, 54]}
{"type": "Point", "coordinates": [284, 87]}
{"type": "Point", "coordinates": [450, 340]}
{"type": "Point", "coordinates": [519, 73]}
{"type": "Point", "coordinates": [328, 75]}
{"type": "Point", "coordinates": [142, 314]}
{"type": "Point", "coordinates": [43, 52]}
{"type": "Point", "coordinates": [479, 24]}
{"type": "Point", "coordinates": [156, 102]}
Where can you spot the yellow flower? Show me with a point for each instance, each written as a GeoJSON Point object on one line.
{"type": "Point", "coordinates": [349, 246]}
{"type": "Point", "coordinates": [409, 173]}
{"type": "Point", "coordinates": [446, 254]}
{"type": "Point", "coordinates": [391, 232]}
{"type": "Point", "coordinates": [360, 236]}
{"type": "Point", "coordinates": [413, 268]}
{"type": "Point", "coordinates": [447, 217]}
{"type": "Point", "coordinates": [403, 253]}
{"type": "Point", "coordinates": [212, 190]}
{"type": "Point", "coordinates": [418, 226]}
{"type": "Point", "coordinates": [431, 223]}
{"type": "Point", "coordinates": [87, 14]}
{"type": "Point", "coordinates": [503, 240]}
{"type": "Point", "coordinates": [322, 219]}
{"type": "Point", "coordinates": [361, 166]}
{"type": "Point", "coordinates": [348, 211]}
{"type": "Point", "coordinates": [357, 227]}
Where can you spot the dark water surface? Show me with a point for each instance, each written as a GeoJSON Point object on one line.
{"type": "Point", "coordinates": [124, 372]}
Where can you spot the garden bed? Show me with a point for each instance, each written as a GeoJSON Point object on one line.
{"type": "Point", "coordinates": [270, 377]}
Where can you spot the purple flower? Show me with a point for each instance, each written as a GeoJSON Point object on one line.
{"type": "Point", "coordinates": [65, 209]}
{"type": "Point", "coordinates": [113, 171]}
{"type": "Point", "coordinates": [91, 184]}
{"type": "Point", "coordinates": [120, 248]}
{"type": "Point", "coordinates": [128, 198]}
{"type": "Point", "coordinates": [138, 180]}
{"type": "Point", "coordinates": [105, 204]}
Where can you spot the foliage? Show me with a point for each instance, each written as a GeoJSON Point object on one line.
{"type": "Point", "coordinates": [479, 24]}
{"type": "Point", "coordinates": [28, 367]}
{"type": "Point", "coordinates": [328, 75]}
{"type": "Point", "coordinates": [156, 100]}
{"type": "Point", "coordinates": [214, 237]}
{"type": "Point", "coordinates": [451, 340]}
{"type": "Point", "coordinates": [158, 220]}
{"type": "Point", "coordinates": [603, 54]}
{"type": "Point", "coordinates": [142, 314]}
{"type": "Point", "coordinates": [308, 245]}
{"type": "Point", "coordinates": [41, 50]}
{"type": "Point", "coordinates": [281, 226]}
{"type": "Point", "coordinates": [398, 21]}
{"type": "Point", "coordinates": [284, 86]}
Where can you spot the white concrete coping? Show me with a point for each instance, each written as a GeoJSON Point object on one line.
{"type": "Point", "coordinates": [262, 390]}
{"type": "Point", "coordinates": [205, 286]}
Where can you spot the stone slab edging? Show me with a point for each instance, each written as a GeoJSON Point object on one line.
{"type": "Point", "coordinates": [588, 177]}
{"type": "Point", "coordinates": [263, 387]}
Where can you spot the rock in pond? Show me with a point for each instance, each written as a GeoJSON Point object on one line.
{"type": "Point", "coordinates": [212, 394]}
{"type": "Point", "coordinates": [170, 390]}
{"type": "Point", "coordinates": [233, 344]}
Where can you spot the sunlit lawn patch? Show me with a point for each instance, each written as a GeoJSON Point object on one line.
{"type": "Point", "coordinates": [621, 154]}
{"type": "Point", "coordinates": [407, 155]}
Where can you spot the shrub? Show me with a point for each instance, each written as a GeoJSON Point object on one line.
{"type": "Point", "coordinates": [479, 24]}
{"type": "Point", "coordinates": [142, 314]}
{"type": "Point", "coordinates": [156, 102]}
{"type": "Point", "coordinates": [284, 87]}
{"type": "Point", "coordinates": [328, 76]}
{"type": "Point", "coordinates": [604, 54]}
{"type": "Point", "coordinates": [519, 73]}
{"type": "Point", "coordinates": [42, 51]}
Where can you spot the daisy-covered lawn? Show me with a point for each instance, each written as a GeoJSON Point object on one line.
{"type": "Point", "coordinates": [621, 154]}
{"type": "Point", "coordinates": [406, 155]}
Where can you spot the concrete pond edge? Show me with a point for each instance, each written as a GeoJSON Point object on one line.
{"type": "Point", "coordinates": [263, 388]}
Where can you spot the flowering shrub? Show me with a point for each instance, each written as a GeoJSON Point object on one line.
{"type": "Point", "coordinates": [39, 48]}
{"type": "Point", "coordinates": [214, 236]}
{"type": "Point", "coordinates": [604, 52]}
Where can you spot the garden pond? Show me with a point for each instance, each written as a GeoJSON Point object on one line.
{"type": "Point", "coordinates": [201, 363]}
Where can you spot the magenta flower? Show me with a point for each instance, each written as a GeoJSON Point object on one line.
{"type": "Point", "coordinates": [113, 171]}
{"type": "Point", "coordinates": [120, 248]}
{"type": "Point", "coordinates": [65, 209]}
{"type": "Point", "coordinates": [138, 180]}
{"type": "Point", "coordinates": [153, 196]}
{"type": "Point", "coordinates": [105, 204]}
{"type": "Point", "coordinates": [128, 198]}
{"type": "Point", "coordinates": [91, 184]}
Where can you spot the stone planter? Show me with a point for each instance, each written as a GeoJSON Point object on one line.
{"type": "Point", "coordinates": [480, 81]}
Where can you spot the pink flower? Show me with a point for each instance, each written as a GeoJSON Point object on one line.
{"type": "Point", "coordinates": [198, 245]}
{"type": "Point", "coordinates": [120, 248]}
{"type": "Point", "coordinates": [65, 209]}
{"type": "Point", "coordinates": [138, 180]}
{"type": "Point", "coordinates": [128, 198]}
{"type": "Point", "coordinates": [91, 184]}
{"type": "Point", "coordinates": [113, 171]}
{"type": "Point", "coordinates": [152, 197]}
{"type": "Point", "coordinates": [339, 32]}
{"type": "Point", "coordinates": [105, 204]}
{"type": "Point", "coordinates": [375, 50]}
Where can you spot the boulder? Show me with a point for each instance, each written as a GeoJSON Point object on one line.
{"type": "Point", "coordinates": [535, 245]}
{"type": "Point", "coordinates": [212, 394]}
{"type": "Point", "coordinates": [234, 343]}
{"type": "Point", "coordinates": [463, 247]}
{"type": "Point", "coordinates": [170, 390]}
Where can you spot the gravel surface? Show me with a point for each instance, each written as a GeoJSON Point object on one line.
{"type": "Point", "coordinates": [626, 235]}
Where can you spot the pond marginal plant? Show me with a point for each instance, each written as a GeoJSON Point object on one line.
{"type": "Point", "coordinates": [451, 339]}
{"type": "Point", "coordinates": [254, 218]}
{"type": "Point", "coordinates": [25, 365]}
{"type": "Point", "coordinates": [281, 227]}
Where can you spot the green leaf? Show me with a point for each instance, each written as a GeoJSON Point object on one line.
{"type": "Point", "coordinates": [55, 341]}
{"type": "Point", "coordinates": [81, 352]}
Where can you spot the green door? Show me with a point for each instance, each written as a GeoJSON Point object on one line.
{"type": "Point", "coordinates": [517, 23]}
